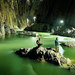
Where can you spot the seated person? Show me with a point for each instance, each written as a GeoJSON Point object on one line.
{"type": "Point", "coordinates": [38, 42]}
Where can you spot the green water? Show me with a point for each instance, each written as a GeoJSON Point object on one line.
{"type": "Point", "coordinates": [11, 64]}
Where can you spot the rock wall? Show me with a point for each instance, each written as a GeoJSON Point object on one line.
{"type": "Point", "coordinates": [18, 13]}
{"type": "Point", "coordinates": [47, 13]}
{"type": "Point", "coordinates": [50, 14]}
{"type": "Point", "coordinates": [65, 31]}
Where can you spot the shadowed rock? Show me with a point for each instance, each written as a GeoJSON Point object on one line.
{"type": "Point", "coordinates": [48, 54]}
{"type": "Point", "coordinates": [68, 43]}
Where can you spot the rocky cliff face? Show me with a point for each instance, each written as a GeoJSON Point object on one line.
{"type": "Point", "coordinates": [48, 13]}
{"type": "Point", "coordinates": [15, 14]}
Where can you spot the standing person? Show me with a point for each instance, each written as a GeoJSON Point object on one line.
{"type": "Point", "coordinates": [57, 45]}
{"type": "Point", "coordinates": [38, 42]}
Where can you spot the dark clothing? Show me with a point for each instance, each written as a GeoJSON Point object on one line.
{"type": "Point", "coordinates": [39, 45]}
{"type": "Point", "coordinates": [56, 43]}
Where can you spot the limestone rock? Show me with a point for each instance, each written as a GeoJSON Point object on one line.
{"type": "Point", "coordinates": [46, 54]}
{"type": "Point", "coordinates": [68, 43]}
{"type": "Point", "coordinates": [28, 33]}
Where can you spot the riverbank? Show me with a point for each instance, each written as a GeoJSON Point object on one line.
{"type": "Point", "coordinates": [68, 43]}
{"type": "Point", "coordinates": [28, 33]}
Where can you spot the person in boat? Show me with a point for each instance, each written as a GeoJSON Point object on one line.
{"type": "Point", "coordinates": [57, 44]}
{"type": "Point", "coordinates": [38, 42]}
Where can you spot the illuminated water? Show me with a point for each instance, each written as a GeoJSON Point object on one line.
{"type": "Point", "coordinates": [11, 64]}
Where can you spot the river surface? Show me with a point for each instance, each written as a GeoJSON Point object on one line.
{"type": "Point", "coordinates": [11, 64]}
